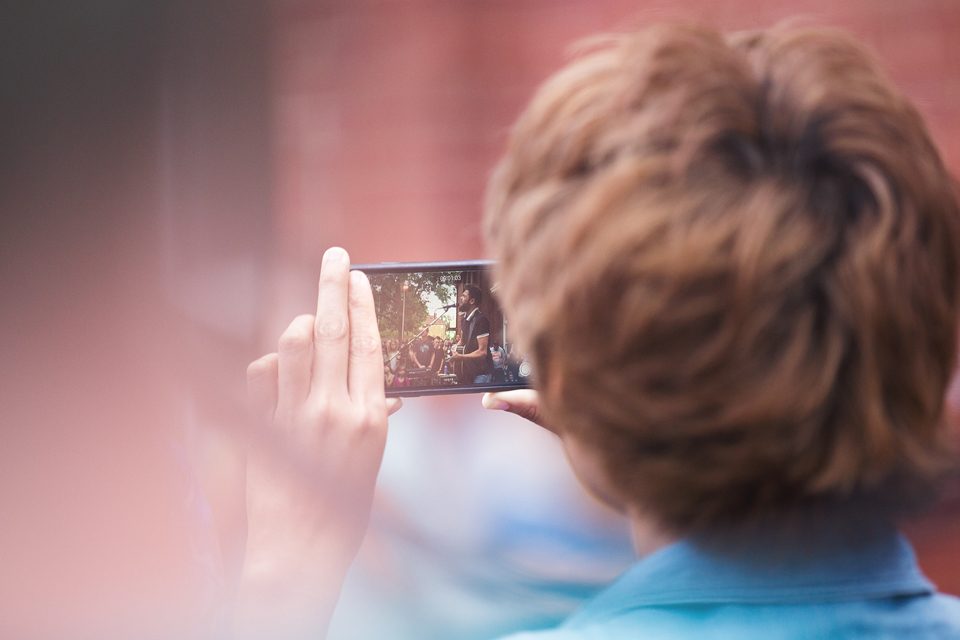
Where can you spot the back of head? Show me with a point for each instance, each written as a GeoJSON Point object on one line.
{"type": "Point", "coordinates": [753, 244]}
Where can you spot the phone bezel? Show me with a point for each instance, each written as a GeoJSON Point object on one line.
{"type": "Point", "coordinates": [427, 267]}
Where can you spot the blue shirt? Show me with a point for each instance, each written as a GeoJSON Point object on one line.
{"type": "Point", "coordinates": [875, 590]}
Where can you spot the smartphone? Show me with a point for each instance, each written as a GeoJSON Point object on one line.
{"type": "Point", "coordinates": [442, 329]}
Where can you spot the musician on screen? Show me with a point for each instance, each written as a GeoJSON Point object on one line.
{"type": "Point", "coordinates": [472, 357]}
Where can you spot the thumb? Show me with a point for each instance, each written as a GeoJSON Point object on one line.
{"type": "Point", "coordinates": [393, 405]}
{"type": "Point", "coordinates": [262, 386]}
{"type": "Point", "coordinates": [523, 402]}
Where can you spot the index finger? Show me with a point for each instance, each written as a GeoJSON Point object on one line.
{"type": "Point", "coordinates": [331, 331]}
{"type": "Point", "coordinates": [365, 379]}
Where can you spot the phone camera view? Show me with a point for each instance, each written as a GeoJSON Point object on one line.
{"type": "Point", "coordinates": [443, 330]}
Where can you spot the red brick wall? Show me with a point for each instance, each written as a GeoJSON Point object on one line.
{"type": "Point", "coordinates": [389, 115]}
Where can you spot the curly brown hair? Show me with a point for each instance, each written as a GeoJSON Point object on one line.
{"type": "Point", "coordinates": [753, 244]}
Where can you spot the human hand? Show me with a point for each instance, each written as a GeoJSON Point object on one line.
{"type": "Point", "coordinates": [313, 460]}
{"type": "Point", "coordinates": [523, 402]}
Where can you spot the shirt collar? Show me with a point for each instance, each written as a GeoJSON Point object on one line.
{"type": "Point", "coordinates": [475, 309]}
{"type": "Point", "coordinates": [684, 573]}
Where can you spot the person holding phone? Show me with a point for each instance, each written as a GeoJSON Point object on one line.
{"type": "Point", "coordinates": [756, 247]}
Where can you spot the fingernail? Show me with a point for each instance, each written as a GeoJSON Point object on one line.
{"type": "Point", "coordinates": [493, 403]}
{"type": "Point", "coordinates": [335, 254]}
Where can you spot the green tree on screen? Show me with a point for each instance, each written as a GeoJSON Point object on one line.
{"type": "Point", "coordinates": [388, 295]}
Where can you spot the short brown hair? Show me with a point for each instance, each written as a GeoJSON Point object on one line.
{"type": "Point", "coordinates": [734, 262]}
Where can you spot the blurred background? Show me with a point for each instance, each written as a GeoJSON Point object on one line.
{"type": "Point", "coordinates": [171, 173]}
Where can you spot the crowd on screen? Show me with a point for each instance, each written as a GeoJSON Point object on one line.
{"type": "Point", "coordinates": [428, 358]}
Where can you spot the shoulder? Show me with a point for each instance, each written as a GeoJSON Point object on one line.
{"type": "Point", "coordinates": [936, 616]}
{"type": "Point", "coordinates": [943, 611]}
{"type": "Point", "coordinates": [548, 634]}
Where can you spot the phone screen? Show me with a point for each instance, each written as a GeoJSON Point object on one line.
{"type": "Point", "coordinates": [442, 329]}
